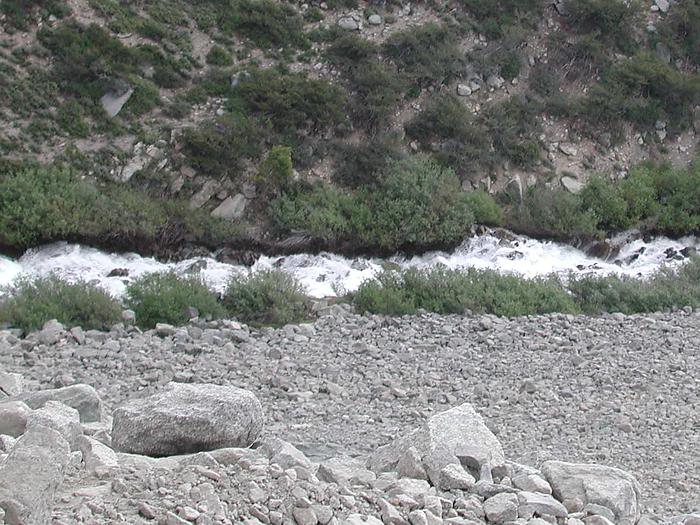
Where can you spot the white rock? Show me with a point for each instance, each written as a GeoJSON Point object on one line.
{"type": "Point", "coordinates": [501, 508]}
{"type": "Point", "coordinates": [63, 419]}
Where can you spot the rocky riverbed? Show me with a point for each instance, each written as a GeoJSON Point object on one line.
{"type": "Point", "coordinates": [620, 391]}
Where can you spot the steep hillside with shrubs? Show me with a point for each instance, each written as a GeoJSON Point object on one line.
{"type": "Point", "coordinates": [352, 125]}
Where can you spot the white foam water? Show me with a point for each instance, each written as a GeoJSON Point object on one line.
{"type": "Point", "coordinates": [327, 275]}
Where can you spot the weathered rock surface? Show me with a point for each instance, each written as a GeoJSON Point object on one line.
{"type": "Point", "coordinates": [62, 418]}
{"type": "Point", "coordinates": [602, 485]}
{"type": "Point", "coordinates": [187, 418]}
{"type": "Point", "coordinates": [13, 418]}
{"type": "Point", "coordinates": [81, 397]}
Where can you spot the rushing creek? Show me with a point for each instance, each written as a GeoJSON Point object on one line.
{"type": "Point", "coordinates": [327, 274]}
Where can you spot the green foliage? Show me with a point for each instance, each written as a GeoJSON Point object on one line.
{"type": "Point", "coordinates": [462, 143]}
{"type": "Point", "coordinates": [680, 30]}
{"type": "Point", "coordinates": [32, 302]}
{"type": "Point", "coordinates": [275, 172]}
{"type": "Point", "coordinates": [266, 298]}
{"type": "Point", "coordinates": [496, 16]}
{"type": "Point", "coordinates": [607, 205]}
{"type": "Point", "coordinates": [267, 23]}
{"type": "Point", "coordinates": [20, 13]}
{"type": "Point", "coordinates": [665, 290]}
{"type": "Point", "coordinates": [454, 291]}
{"type": "Point", "coordinates": [218, 56]}
{"type": "Point", "coordinates": [362, 165]}
{"type": "Point", "coordinates": [166, 298]}
{"type": "Point", "coordinates": [221, 146]}
{"type": "Point", "coordinates": [485, 209]}
{"type": "Point", "coordinates": [512, 125]}
{"type": "Point", "coordinates": [70, 119]}
{"type": "Point", "coordinates": [611, 21]}
{"type": "Point", "coordinates": [291, 103]}
{"type": "Point", "coordinates": [642, 90]}
{"type": "Point", "coordinates": [427, 54]}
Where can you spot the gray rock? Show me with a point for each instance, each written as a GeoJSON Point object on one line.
{"type": "Point", "coordinates": [82, 397]}
{"type": "Point", "coordinates": [187, 418]}
{"type": "Point", "coordinates": [284, 454]}
{"type": "Point", "coordinates": [97, 455]}
{"type": "Point", "coordinates": [602, 485]}
{"type": "Point", "coordinates": [538, 503]}
{"type": "Point", "coordinates": [63, 419]}
{"type": "Point", "coordinates": [51, 332]}
{"type": "Point", "coordinates": [390, 514]}
{"type": "Point", "coordinates": [597, 520]}
{"type": "Point", "coordinates": [348, 23]}
{"type": "Point", "coordinates": [495, 81]}
{"type": "Point", "coordinates": [663, 52]}
{"type": "Point", "coordinates": [572, 184]}
{"type": "Point", "coordinates": [78, 335]}
{"type": "Point", "coordinates": [463, 90]}
{"type": "Point", "coordinates": [231, 208]}
{"type": "Point", "coordinates": [129, 316]}
{"type": "Point", "coordinates": [448, 437]}
{"type": "Point", "coordinates": [113, 102]}
{"type": "Point", "coordinates": [413, 488]}
{"type": "Point", "coordinates": [6, 443]}
{"type": "Point", "coordinates": [568, 149]}
{"type": "Point", "coordinates": [30, 475]}
{"type": "Point", "coordinates": [13, 418]}
{"type": "Point", "coordinates": [10, 384]}
{"type": "Point", "coordinates": [344, 471]}
{"type": "Point", "coordinates": [304, 516]}
{"type": "Point", "coordinates": [663, 5]}
{"type": "Point", "coordinates": [453, 476]}
{"type": "Point", "coordinates": [359, 519]}
{"type": "Point", "coordinates": [374, 20]}
{"type": "Point", "coordinates": [532, 483]}
{"type": "Point", "coordinates": [501, 508]}
{"type": "Point", "coordinates": [410, 465]}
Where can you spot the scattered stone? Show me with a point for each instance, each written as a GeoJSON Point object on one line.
{"type": "Point", "coordinates": [51, 332]}
{"type": "Point", "coordinates": [10, 384]}
{"type": "Point", "coordinates": [463, 90]}
{"type": "Point", "coordinates": [572, 184]}
{"type": "Point", "coordinates": [96, 455]}
{"type": "Point", "coordinates": [374, 20]}
{"type": "Point", "coordinates": [187, 418]}
{"type": "Point", "coordinates": [537, 503]}
{"type": "Point", "coordinates": [453, 476]}
{"type": "Point", "coordinates": [501, 508]}
{"type": "Point", "coordinates": [348, 23]}
{"type": "Point", "coordinates": [61, 418]}
{"type": "Point", "coordinates": [81, 397]}
{"type": "Point", "coordinates": [231, 208]}
{"type": "Point", "coordinates": [113, 101]}
{"type": "Point", "coordinates": [13, 418]}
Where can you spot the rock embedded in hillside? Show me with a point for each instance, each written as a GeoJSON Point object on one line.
{"type": "Point", "coordinates": [187, 418]}
{"type": "Point", "coordinates": [63, 419]}
{"type": "Point", "coordinates": [348, 23]}
{"type": "Point", "coordinates": [374, 20]}
{"type": "Point", "coordinates": [81, 397]}
{"type": "Point", "coordinates": [30, 475]}
{"type": "Point", "coordinates": [231, 207]}
{"type": "Point", "coordinates": [456, 436]}
{"type": "Point", "coordinates": [598, 484]}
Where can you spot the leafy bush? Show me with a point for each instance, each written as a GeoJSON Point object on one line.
{"type": "Point", "coordinates": [31, 302]}
{"type": "Point", "coordinates": [19, 13]}
{"type": "Point", "coordinates": [275, 172]}
{"type": "Point", "coordinates": [362, 165]}
{"type": "Point", "coordinates": [166, 297]}
{"type": "Point", "coordinates": [665, 290]}
{"type": "Point", "coordinates": [265, 22]}
{"type": "Point", "coordinates": [607, 205]}
{"type": "Point", "coordinates": [218, 56]}
{"type": "Point", "coordinates": [485, 209]}
{"type": "Point", "coordinates": [495, 16]}
{"type": "Point", "coordinates": [428, 54]}
{"type": "Point", "coordinates": [266, 298]}
{"type": "Point", "coordinates": [454, 291]}
{"type": "Point", "coordinates": [612, 21]}
{"type": "Point", "coordinates": [680, 30]}
{"type": "Point", "coordinates": [512, 126]}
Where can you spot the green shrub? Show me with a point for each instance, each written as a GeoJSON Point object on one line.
{"type": "Point", "coordinates": [275, 172]}
{"type": "Point", "coordinates": [603, 199]}
{"type": "Point", "coordinates": [266, 298]}
{"type": "Point", "coordinates": [218, 56]}
{"type": "Point", "coordinates": [512, 126]}
{"type": "Point", "coordinates": [19, 13]}
{"type": "Point", "coordinates": [680, 30]}
{"type": "Point", "coordinates": [267, 23]}
{"type": "Point", "coordinates": [361, 165]}
{"type": "Point", "coordinates": [612, 21]}
{"type": "Point", "coordinates": [485, 209]}
{"type": "Point", "coordinates": [31, 302]}
{"type": "Point", "coordinates": [350, 49]}
{"type": "Point", "coordinates": [166, 298]}
{"type": "Point", "coordinates": [428, 54]}
{"type": "Point", "coordinates": [496, 16]}
{"type": "Point", "coordinates": [70, 119]}
{"type": "Point", "coordinates": [665, 290]}
{"type": "Point", "coordinates": [377, 92]}
{"type": "Point", "coordinates": [454, 291]}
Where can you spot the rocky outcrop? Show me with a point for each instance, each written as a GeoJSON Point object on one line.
{"type": "Point", "coordinates": [187, 418]}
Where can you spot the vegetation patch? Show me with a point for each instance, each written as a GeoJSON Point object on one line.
{"type": "Point", "coordinates": [266, 298]}
{"type": "Point", "coordinates": [30, 302]}
{"type": "Point", "coordinates": [168, 298]}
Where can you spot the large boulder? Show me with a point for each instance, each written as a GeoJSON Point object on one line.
{"type": "Point", "coordinates": [62, 418]}
{"type": "Point", "coordinates": [187, 418]}
{"type": "Point", "coordinates": [83, 398]}
{"type": "Point", "coordinates": [456, 436]}
{"type": "Point", "coordinates": [30, 476]}
{"type": "Point", "coordinates": [13, 418]}
{"type": "Point", "coordinates": [598, 484]}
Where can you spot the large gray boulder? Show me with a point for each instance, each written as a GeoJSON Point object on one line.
{"type": "Point", "coordinates": [81, 397]}
{"type": "Point", "coordinates": [30, 476]}
{"type": "Point", "coordinates": [456, 436]}
{"type": "Point", "coordinates": [598, 484]}
{"type": "Point", "coordinates": [13, 418]}
{"type": "Point", "coordinates": [62, 418]}
{"type": "Point", "coordinates": [187, 418]}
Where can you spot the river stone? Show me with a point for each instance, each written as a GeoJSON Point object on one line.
{"type": "Point", "coordinates": [63, 419]}
{"type": "Point", "coordinates": [81, 397]}
{"type": "Point", "coordinates": [13, 418]}
{"type": "Point", "coordinates": [187, 418]}
{"type": "Point", "coordinates": [30, 475]}
{"type": "Point", "coordinates": [450, 437]}
{"type": "Point", "coordinates": [599, 484]}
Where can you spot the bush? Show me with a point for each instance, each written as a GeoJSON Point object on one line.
{"type": "Point", "coordinates": [454, 291]}
{"type": "Point", "coordinates": [681, 30]}
{"type": "Point", "coordinates": [19, 13]}
{"type": "Point", "coordinates": [32, 302]}
{"type": "Point", "coordinates": [485, 209]}
{"type": "Point", "coordinates": [428, 54]}
{"type": "Point", "coordinates": [218, 56]}
{"type": "Point", "coordinates": [512, 126]}
{"type": "Point", "coordinates": [166, 297]}
{"type": "Point", "coordinates": [361, 165]}
{"type": "Point", "coordinates": [495, 16]}
{"type": "Point", "coordinates": [266, 298]}
{"type": "Point", "coordinates": [275, 172]}
{"type": "Point", "coordinates": [603, 199]}
{"type": "Point", "coordinates": [612, 21]}
{"type": "Point", "coordinates": [267, 23]}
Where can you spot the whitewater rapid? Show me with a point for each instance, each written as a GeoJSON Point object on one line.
{"type": "Point", "coordinates": [328, 275]}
